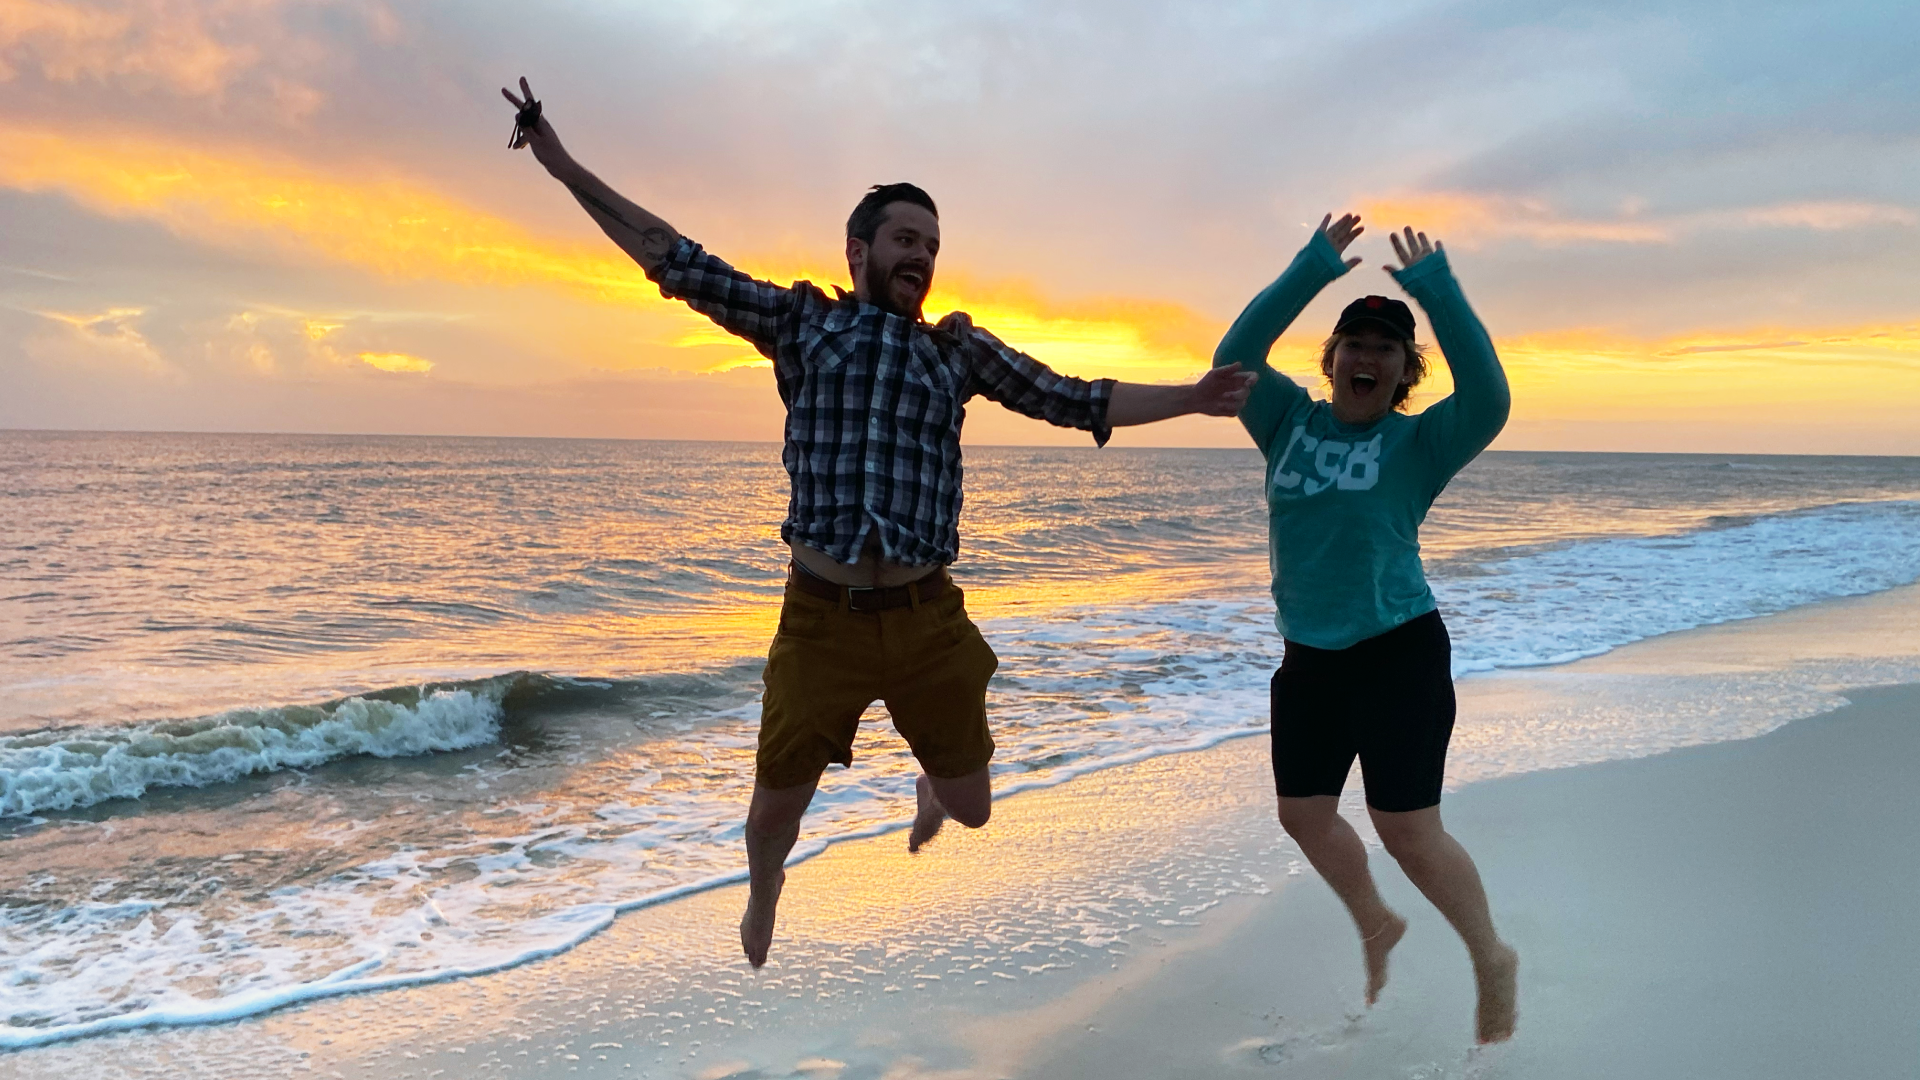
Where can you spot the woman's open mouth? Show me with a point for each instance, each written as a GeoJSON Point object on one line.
{"type": "Point", "coordinates": [1362, 384]}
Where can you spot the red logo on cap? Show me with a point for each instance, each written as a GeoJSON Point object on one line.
{"type": "Point", "coordinates": [1376, 301]}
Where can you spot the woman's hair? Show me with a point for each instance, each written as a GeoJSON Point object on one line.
{"type": "Point", "coordinates": [1416, 367]}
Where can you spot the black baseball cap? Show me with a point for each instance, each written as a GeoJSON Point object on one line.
{"type": "Point", "coordinates": [1392, 316]}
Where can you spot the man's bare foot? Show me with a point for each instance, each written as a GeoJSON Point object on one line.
{"type": "Point", "coordinates": [1376, 946]}
{"type": "Point", "coordinates": [928, 818]}
{"type": "Point", "coordinates": [756, 926]}
{"type": "Point", "coordinates": [1498, 983]}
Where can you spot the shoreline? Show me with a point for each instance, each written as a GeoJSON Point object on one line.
{"type": "Point", "coordinates": [1229, 830]}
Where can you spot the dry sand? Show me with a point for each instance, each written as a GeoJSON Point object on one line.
{"type": "Point", "coordinates": [1741, 910]}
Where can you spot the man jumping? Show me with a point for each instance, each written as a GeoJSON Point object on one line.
{"type": "Point", "coordinates": [874, 398]}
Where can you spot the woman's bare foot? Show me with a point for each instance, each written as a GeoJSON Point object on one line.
{"type": "Point", "coordinates": [756, 926]}
{"type": "Point", "coordinates": [1498, 983]}
{"type": "Point", "coordinates": [928, 818]}
{"type": "Point", "coordinates": [1376, 946]}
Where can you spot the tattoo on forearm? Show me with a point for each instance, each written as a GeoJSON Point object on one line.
{"type": "Point", "coordinates": [654, 241]}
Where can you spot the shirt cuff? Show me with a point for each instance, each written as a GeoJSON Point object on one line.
{"type": "Point", "coordinates": [1434, 265]}
{"type": "Point", "coordinates": [1329, 257]}
{"type": "Point", "coordinates": [1097, 403]}
{"type": "Point", "coordinates": [677, 258]}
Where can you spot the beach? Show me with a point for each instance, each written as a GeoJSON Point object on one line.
{"type": "Point", "coordinates": [1737, 908]}
{"type": "Point", "coordinates": [442, 575]}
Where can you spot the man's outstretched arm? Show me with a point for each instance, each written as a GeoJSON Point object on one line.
{"type": "Point", "coordinates": [1220, 392]}
{"type": "Point", "coordinates": [1028, 386]}
{"type": "Point", "coordinates": [641, 234]}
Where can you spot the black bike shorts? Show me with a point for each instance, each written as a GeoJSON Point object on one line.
{"type": "Point", "coordinates": [1388, 700]}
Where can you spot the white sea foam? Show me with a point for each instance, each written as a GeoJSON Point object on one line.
{"type": "Point", "coordinates": [73, 768]}
{"type": "Point", "coordinates": [1079, 690]}
{"type": "Point", "coordinates": [1581, 599]}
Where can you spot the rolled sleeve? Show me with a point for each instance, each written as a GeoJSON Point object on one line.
{"type": "Point", "coordinates": [739, 303]}
{"type": "Point", "coordinates": [1031, 388]}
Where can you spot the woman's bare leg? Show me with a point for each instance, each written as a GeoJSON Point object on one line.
{"type": "Point", "coordinates": [1436, 863]}
{"type": "Point", "coordinates": [1336, 851]}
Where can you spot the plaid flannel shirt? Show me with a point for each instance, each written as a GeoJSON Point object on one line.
{"type": "Point", "coordinates": [874, 405]}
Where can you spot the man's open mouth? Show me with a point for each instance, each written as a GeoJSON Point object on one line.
{"type": "Point", "coordinates": [913, 279]}
{"type": "Point", "coordinates": [1362, 384]}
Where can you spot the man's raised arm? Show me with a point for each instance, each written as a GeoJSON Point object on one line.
{"type": "Point", "coordinates": [639, 233]}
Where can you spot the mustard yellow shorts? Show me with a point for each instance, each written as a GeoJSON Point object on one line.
{"type": "Point", "coordinates": [927, 661]}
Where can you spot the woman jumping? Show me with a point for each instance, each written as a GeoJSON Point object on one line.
{"type": "Point", "coordinates": [1367, 667]}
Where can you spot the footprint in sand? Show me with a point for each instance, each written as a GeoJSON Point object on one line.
{"type": "Point", "coordinates": [1262, 1051]}
{"type": "Point", "coordinates": [1480, 1063]}
{"type": "Point", "coordinates": [1280, 1049]}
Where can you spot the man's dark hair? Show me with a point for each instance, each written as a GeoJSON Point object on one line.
{"type": "Point", "coordinates": [864, 223]}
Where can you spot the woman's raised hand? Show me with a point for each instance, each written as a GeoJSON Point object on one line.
{"type": "Point", "coordinates": [1342, 232]}
{"type": "Point", "coordinates": [1413, 250]}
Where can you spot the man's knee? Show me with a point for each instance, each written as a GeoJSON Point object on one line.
{"type": "Point", "coordinates": [776, 810]}
{"type": "Point", "coordinates": [762, 821]}
{"type": "Point", "coordinates": [966, 799]}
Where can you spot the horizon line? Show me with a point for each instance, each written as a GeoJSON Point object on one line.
{"type": "Point", "coordinates": [11, 430]}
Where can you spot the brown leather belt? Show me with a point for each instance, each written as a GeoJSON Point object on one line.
{"type": "Point", "coordinates": [871, 599]}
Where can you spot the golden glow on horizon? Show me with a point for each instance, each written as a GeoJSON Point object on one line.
{"type": "Point", "coordinates": [1864, 370]}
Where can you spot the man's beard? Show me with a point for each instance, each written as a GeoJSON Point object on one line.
{"type": "Point", "coordinates": [880, 291]}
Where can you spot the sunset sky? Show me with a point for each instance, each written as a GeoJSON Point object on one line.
{"type": "Point", "coordinates": [1689, 226]}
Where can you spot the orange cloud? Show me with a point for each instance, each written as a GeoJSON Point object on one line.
{"type": "Point", "coordinates": [1473, 218]}
{"type": "Point", "coordinates": [160, 41]}
{"type": "Point", "coordinates": [110, 334]}
{"type": "Point", "coordinates": [1828, 216]}
{"type": "Point", "coordinates": [399, 362]}
{"type": "Point", "coordinates": [402, 230]}
{"type": "Point", "coordinates": [389, 227]}
{"type": "Point", "coordinates": [1469, 219]}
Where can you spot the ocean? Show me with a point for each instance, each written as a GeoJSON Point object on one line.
{"type": "Point", "coordinates": [290, 716]}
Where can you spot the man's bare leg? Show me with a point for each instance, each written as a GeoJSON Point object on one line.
{"type": "Point", "coordinates": [966, 799]}
{"type": "Point", "coordinates": [1336, 851]}
{"type": "Point", "coordinates": [1444, 872]}
{"type": "Point", "coordinates": [773, 824]}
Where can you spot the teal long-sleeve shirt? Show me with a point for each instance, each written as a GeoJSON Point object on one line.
{"type": "Point", "coordinates": [1345, 502]}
